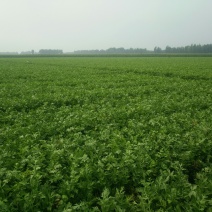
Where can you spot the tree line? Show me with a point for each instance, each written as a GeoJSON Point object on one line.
{"type": "Point", "coordinates": [193, 48]}
{"type": "Point", "coordinates": [190, 49]}
{"type": "Point", "coordinates": [43, 51]}
{"type": "Point", "coordinates": [50, 51]}
{"type": "Point", "coordinates": [113, 51]}
{"type": "Point", "coordinates": [186, 49]}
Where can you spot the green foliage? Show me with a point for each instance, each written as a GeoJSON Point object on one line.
{"type": "Point", "coordinates": [105, 134]}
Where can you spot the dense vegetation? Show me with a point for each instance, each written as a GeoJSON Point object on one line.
{"type": "Point", "coordinates": [105, 134]}
{"type": "Point", "coordinates": [207, 48]}
{"type": "Point", "coordinates": [114, 51]}
{"type": "Point", "coordinates": [193, 49]}
{"type": "Point", "coordinates": [190, 49]}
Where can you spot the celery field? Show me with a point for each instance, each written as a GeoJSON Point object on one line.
{"type": "Point", "coordinates": [106, 134]}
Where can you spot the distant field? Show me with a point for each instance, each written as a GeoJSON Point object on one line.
{"type": "Point", "coordinates": [106, 55]}
{"type": "Point", "coordinates": [106, 134]}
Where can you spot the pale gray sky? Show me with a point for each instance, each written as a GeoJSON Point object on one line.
{"type": "Point", "coordinates": [100, 24]}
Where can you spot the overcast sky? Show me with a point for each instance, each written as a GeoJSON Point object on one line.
{"type": "Point", "coordinates": [100, 24]}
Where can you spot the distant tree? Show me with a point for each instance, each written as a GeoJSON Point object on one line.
{"type": "Point", "coordinates": [157, 50]}
{"type": "Point", "coordinates": [113, 51]}
{"type": "Point", "coordinates": [187, 49]}
{"type": "Point", "coordinates": [50, 51]}
{"type": "Point", "coordinates": [193, 48]}
{"type": "Point", "coordinates": [168, 49]}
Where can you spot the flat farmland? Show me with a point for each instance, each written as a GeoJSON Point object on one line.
{"type": "Point", "coordinates": [106, 134]}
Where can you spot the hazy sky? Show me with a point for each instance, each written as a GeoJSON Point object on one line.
{"type": "Point", "coordinates": [100, 24]}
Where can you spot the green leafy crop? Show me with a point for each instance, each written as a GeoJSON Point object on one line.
{"type": "Point", "coordinates": [105, 134]}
